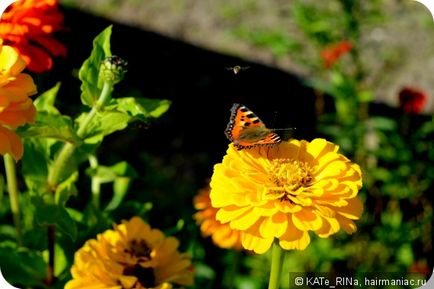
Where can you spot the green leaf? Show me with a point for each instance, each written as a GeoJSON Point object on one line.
{"type": "Point", "coordinates": [35, 164]}
{"type": "Point", "coordinates": [383, 123]}
{"type": "Point", "coordinates": [66, 189]}
{"type": "Point", "coordinates": [21, 265]}
{"type": "Point", "coordinates": [124, 169]}
{"type": "Point", "coordinates": [381, 174]}
{"type": "Point", "coordinates": [426, 129]}
{"type": "Point", "coordinates": [125, 174]}
{"type": "Point", "coordinates": [89, 72]}
{"type": "Point", "coordinates": [392, 219]}
{"type": "Point", "coordinates": [120, 189]}
{"type": "Point", "coordinates": [45, 102]}
{"type": "Point", "coordinates": [365, 96]}
{"type": "Point", "coordinates": [60, 261]}
{"type": "Point", "coordinates": [52, 214]}
{"type": "Point", "coordinates": [121, 174]}
{"type": "Point", "coordinates": [405, 255]}
{"type": "Point", "coordinates": [104, 123]}
{"type": "Point", "coordinates": [102, 174]}
{"type": "Point", "coordinates": [143, 108]}
{"type": "Point", "coordinates": [49, 125]}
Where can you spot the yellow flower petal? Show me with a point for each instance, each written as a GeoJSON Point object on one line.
{"type": "Point", "coordinates": [285, 191]}
{"type": "Point", "coordinates": [274, 226]}
{"type": "Point", "coordinates": [306, 220]}
{"type": "Point", "coordinates": [131, 256]}
{"type": "Point", "coordinates": [256, 244]}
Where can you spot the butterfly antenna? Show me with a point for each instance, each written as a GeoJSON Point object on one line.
{"type": "Point", "coordinates": [289, 128]}
{"type": "Point", "coordinates": [277, 129]}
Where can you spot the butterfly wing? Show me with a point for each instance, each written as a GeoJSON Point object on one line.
{"type": "Point", "coordinates": [246, 130]}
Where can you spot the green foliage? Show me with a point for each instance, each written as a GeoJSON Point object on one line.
{"type": "Point", "coordinates": [276, 40]}
{"type": "Point", "coordinates": [56, 147]}
{"type": "Point", "coordinates": [69, 185]}
{"type": "Point", "coordinates": [53, 214]}
{"type": "Point", "coordinates": [22, 266]}
{"type": "Point", "coordinates": [120, 174]}
{"type": "Point", "coordinates": [142, 109]}
{"type": "Point", "coordinates": [394, 150]}
{"type": "Point", "coordinates": [91, 82]}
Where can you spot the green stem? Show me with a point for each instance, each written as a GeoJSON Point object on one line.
{"type": "Point", "coordinates": [11, 178]}
{"type": "Point", "coordinates": [235, 266]}
{"type": "Point", "coordinates": [96, 185]}
{"type": "Point", "coordinates": [60, 163]}
{"type": "Point", "coordinates": [276, 266]}
{"type": "Point", "coordinates": [101, 102]}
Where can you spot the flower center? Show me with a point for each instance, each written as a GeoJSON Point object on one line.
{"type": "Point", "coordinates": [145, 276]}
{"type": "Point", "coordinates": [138, 249]}
{"type": "Point", "coordinates": [289, 176]}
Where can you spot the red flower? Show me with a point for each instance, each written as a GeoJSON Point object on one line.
{"type": "Point", "coordinates": [412, 100]}
{"type": "Point", "coordinates": [28, 25]}
{"type": "Point", "coordinates": [333, 52]}
{"type": "Point", "coordinates": [420, 267]}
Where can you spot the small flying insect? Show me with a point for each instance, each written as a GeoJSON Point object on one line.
{"type": "Point", "coordinates": [237, 68]}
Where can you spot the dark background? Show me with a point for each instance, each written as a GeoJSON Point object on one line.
{"type": "Point", "coordinates": [190, 136]}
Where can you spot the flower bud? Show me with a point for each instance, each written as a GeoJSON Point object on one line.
{"type": "Point", "coordinates": [113, 69]}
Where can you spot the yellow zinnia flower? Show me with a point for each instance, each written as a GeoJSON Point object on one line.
{"type": "Point", "coordinates": [221, 234]}
{"type": "Point", "coordinates": [285, 191]}
{"type": "Point", "coordinates": [16, 108]}
{"type": "Point", "coordinates": [132, 256]}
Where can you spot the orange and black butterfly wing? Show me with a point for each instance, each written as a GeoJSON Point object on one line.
{"type": "Point", "coordinates": [246, 130]}
{"type": "Point", "coordinates": [241, 119]}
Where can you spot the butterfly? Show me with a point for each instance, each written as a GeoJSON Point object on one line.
{"type": "Point", "coordinates": [246, 130]}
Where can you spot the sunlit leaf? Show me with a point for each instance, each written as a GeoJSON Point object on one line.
{"type": "Point", "coordinates": [66, 189]}
{"type": "Point", "coordinates": [49, 125]}
{"type": "Point", "coordinates": [405, 255]}
{"type": "Point", "coordinates": [89, 72]}
{"type": "Point", "coordinates": [143, 108]}
{"type": "Point", "coordinates": [104, 123]}
{"type": "Point", "coordinates": [45, 102]}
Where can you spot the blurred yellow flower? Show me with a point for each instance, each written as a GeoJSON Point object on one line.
{"type": "Point", "coordinates": [221, 234]}
{"type": "Point", "coordinates": [286, 191]}
{"type": "Point", "coordinates": [132, 256]}
{"type": "Point", "coordinates": [16, 108]}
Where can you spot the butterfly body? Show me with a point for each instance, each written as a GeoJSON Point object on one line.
{"type": "Point", "coordinates": [246, 130]}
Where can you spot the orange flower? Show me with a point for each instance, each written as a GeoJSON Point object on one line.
{"type": "Point", "coordinates": [221, 234]}
{"type": "Point", "coordinates": [331, 54]}
{"type": "Point", "coordinates": [16, 108]}
{"type": "Point", "coordinates": [28, 26]}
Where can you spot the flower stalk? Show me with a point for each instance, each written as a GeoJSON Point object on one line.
{"type": "Point", "coordinates": [96, 185]}
{"type": "Point", "coordinates": [112, 70]}
{"type": "Point", "coordinates": [276, 266]}
{"type": "Point", "coordinates": [11, 178]}
{"type": "Point", "coordinates": [68, 149]}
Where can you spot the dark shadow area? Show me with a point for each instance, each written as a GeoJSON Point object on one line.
{"type": "Point", "coordinates": [198, 83]}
